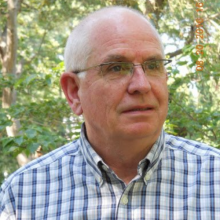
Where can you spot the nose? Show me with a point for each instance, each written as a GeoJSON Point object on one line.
{"type": "Point", "coordinates": [139, 82]}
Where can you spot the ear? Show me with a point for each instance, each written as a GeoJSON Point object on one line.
{"type": "Point", "coordinates": [70, 84]}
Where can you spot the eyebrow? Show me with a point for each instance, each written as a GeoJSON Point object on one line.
{"type": "Point", "coordinates": [114, 57]}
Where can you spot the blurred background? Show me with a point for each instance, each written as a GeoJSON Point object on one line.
{"type": "Point", "coordinates": [34, 115]}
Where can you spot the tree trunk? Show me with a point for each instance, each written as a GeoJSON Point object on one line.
{"type": "Point", "coordinates": [9, 58]}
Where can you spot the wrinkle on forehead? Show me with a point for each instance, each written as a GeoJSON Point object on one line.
{"type": "Point", "coordinates": [117, 57]}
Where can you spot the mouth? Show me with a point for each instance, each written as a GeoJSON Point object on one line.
{"type": "Point", "coordinates": [139, 109]}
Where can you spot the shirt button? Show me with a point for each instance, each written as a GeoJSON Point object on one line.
{"type": "Point", "coordinates": [147, 177]}
{"type": "Point", "coordinates": [124, 200]}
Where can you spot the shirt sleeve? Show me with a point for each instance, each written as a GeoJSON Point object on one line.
{"type": "Point", "coordinates": [7, 203]}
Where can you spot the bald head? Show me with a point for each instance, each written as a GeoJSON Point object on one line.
{"type": "Point", "coordinates": [86, 36]}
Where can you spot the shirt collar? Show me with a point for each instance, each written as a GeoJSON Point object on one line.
{"type": "Point", "coordinates": [91, 157]}
{"type": "Point", "coordinates": [145, 166]}
{"type": "Point", "coordinates": [154, 156]}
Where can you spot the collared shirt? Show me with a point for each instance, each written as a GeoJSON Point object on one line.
{"type": "Point", "coordinates": [178, 179]}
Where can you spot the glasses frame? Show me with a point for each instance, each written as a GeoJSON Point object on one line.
{"type": "Point", "coordinates": [167, 61]}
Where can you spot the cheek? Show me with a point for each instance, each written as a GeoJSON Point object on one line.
{"type": "Point", "coordinates": [160, 91]}
{"type": "Point", "coordinates": [100, 98]}
{"type": "Point", "coordinates": [94, 99]}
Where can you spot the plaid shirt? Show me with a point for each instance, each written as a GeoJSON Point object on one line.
{"type": "Point", "coordinates": [179, 179]}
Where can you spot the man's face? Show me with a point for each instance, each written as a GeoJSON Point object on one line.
{"type": "Point", "coordinates": [124, 109]}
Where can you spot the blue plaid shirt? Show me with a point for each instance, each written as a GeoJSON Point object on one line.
{"type": "Point", "coordinates": [179, 179]}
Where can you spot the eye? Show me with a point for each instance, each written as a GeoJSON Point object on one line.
{"type": "Point", "coordinates": [115, 68]}
{"type": "Point", "coordinates": [153, 65]}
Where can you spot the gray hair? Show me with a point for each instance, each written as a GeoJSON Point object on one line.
{"type": "Point", "coordinates": [79, 46]}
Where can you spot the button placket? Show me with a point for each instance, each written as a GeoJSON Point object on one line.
{"type": "Point", "coordinates": [124, 199]}
{"type": "Point", "coordinates": [147, 177]}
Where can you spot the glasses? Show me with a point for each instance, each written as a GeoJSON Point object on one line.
{"type": "Point", "coordinates": [115, 70]}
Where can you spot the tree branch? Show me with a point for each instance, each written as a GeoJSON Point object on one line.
{"type": "Point", "coordinates": [188, 41]}
{"type": "Point", "coordinates": [3, 43]}
{"type": "Point", "coordinates": [38, 51]}
{"type": "Point", "coordinates": [28, 6]}
{"type": "Point", "coordinates": [1, 53]}
{"type": "Point", "coordinates": [18, 5]}
{"type": "Point", "coordinates": [193, 119]}
{"type": "Point", "coordinates": [175, 53]}
{"type": "Point", "coordinates": [213, 16]}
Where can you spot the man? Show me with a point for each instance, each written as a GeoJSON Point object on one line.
{"type": "Point", "coordinates": [124, 166]}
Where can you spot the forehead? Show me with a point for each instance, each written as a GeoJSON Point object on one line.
{"type": "Point", "coordinates": [126, 35]}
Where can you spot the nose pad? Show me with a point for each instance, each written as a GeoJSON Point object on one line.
{"type": "Point", "coordinates": [136, 65]}
{"type": "Point", "coordinates": [139, 82]}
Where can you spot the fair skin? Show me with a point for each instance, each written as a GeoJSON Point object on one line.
{"type": "Point", "coordinates": [123, 118]}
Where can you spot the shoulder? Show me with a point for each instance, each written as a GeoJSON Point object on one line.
{"type": "Point", "coordinates": [38, 176]}
{"type": "Point", "coordinates": [57, 157]}
{"type": "Point", "coordinates": [190, 147]}
{"type": "Point", "coordinates": [194, 158]}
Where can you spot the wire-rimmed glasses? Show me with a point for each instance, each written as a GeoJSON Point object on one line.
{"type": "Point", "coordinates": [115, 70]}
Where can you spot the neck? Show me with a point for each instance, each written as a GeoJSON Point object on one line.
{"type": "Point", "coordinates": [122, 156]}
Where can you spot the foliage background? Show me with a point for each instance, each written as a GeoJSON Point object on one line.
{"type": "Point", "coordinates": [46, 121]}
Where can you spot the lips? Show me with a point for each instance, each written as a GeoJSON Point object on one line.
{"type": "Point", "coordinates": [138, 109]}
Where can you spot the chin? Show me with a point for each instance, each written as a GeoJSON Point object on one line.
{"type": "Point", "coordinates": [142, 131]}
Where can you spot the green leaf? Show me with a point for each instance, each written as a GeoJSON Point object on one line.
{"type": "Point", "coordinates": [6, 141]}
{"type": "Point", "coordinates": [19, 140]}
{"type": "Point", "coordinates": [31, 133]}
{"type": "Point", "coordinates": [33, 147]}
{"type": "Point", "coordinates": [39, 129]}
{"type": "Point", "coordinates": [12, 149]}
{"type": "Point", "coordinates": [194, 57]}
{"type": "Point", "coordinates": [29, 79]}
{"type": "Point", "coordinates": [7, 123]}
{"type": "Point", "coordinates": [181, 63]}
{"type": "Point", "coordinates": [48, 79]}
{"type": "Point", "coordinates": [18, 82]}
